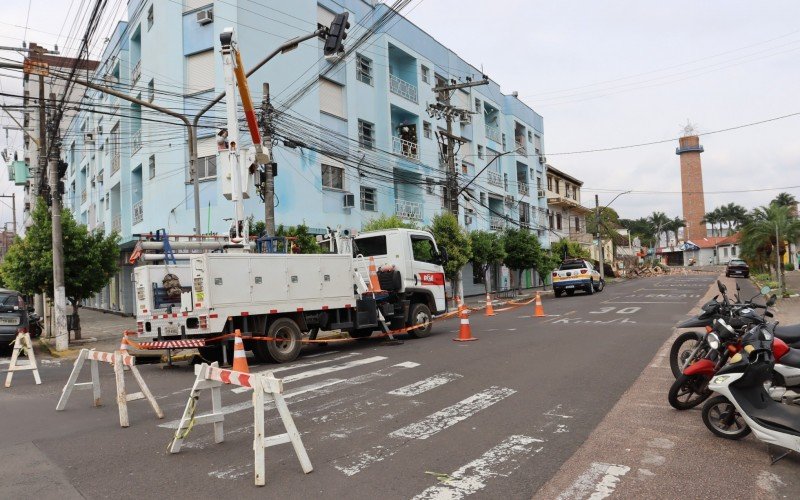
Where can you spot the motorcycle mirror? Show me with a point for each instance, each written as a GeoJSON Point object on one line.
{"type": "Point", "coordinates": [765, 290]}
{"type": "Point", "coordinates": [721, 286]}
{"type": "Point", "coordinates": [772, 300]}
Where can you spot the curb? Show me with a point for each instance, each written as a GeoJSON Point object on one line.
{"type": "Point", "coordinates": [69, 353]}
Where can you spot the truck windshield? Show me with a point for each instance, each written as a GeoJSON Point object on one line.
{"type": "Point", "coordinates": [371, 246]}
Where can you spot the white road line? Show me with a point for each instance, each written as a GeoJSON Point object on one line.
{"type": "Point", "coordinates": [500, 461]}
{"type": "Point", "coordinates": [334, 368]}
{"type": "Point", "coordinates": [598, 482]}
{"type": "Point", "coordinates": [310, 391]}
{"type": "Point", "coordinates": [427, 427]}
{"type": "Point", "coordinates": [425, 385]}
{"type": "Point", "coordinates": [239, 390]}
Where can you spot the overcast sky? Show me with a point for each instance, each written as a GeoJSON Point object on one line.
{"type": "Point", "coordinates": [606, 74]}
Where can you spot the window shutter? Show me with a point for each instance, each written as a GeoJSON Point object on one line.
{"type": "Point", "coordinates": [207, 147]}
{"type": "Point", "coordinates": [324, 16]}
{"type": "Point", "coordinates": [200, 72]}
{"type": "Point", "coordinates": [331, 98]}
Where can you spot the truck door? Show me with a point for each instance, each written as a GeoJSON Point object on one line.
{"type": "Point", "coordinates": [426, 272]}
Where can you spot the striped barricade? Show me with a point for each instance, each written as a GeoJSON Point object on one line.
{"type": "Point", "coordinates": [170, 344]}
{"type": "Point", "coordinates": [264, 386]}
{"type": "Point", "coordinates": [119, 361]}
{"type": "Point", "coordinates": [22, 345]}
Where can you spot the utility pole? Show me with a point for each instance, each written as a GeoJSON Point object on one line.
{"type": "Point", "coordinates": [59, 290]}
{"type": "Point", "coordinates": [447, 140]}
{"type": "Point", "coordinates": [38, 299]}
{"type": "Point", "coordinates": [597, 234]}
{"type": "Point", "coordinates": [778, 259]}
{"type": "Point", "coordinates": [13, 197]}
{"type": "Point", "coordinates": [268, 187]}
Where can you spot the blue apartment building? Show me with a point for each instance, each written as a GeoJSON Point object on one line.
{"type": "Point", "coordinates": [128, 165]}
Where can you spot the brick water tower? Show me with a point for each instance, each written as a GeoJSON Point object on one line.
{"type": "Point", "coordinates": [694, 207]}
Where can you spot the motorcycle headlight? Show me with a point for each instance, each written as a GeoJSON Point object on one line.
{"type": "Point", "coordinates": [721, 379]}
{"type": "Point", "coordinates": [713, 340]}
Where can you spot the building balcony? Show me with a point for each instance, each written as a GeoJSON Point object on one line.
{"type": "Point", "coordinates": [138, 212]}
{"type": "Point", "coordinates": [136, 141]}
{"type": "Point", "coordinates": [558, 200]}
{"type": "Point", "coordinates": [497, 223]}
{"type": "Point", "coordinates": [521, 149]}
{"type": "Point", "coordinates": [115, 163]}
{"type": "Point", "coordinates": [493, 133]}
{"type": "Point", "coordinates": [83, 197]}
{"type": "Point", "coordinates": [411, 210]}
{"type": "Point", "coordinates": [523, 188]}
{"type": "Point", "coordinates": [116, 223]}
{"type": "Point", "coordinates": [403, 88]}
{"type": "Point", "coordinates": [136, 73]}
{"type": "Point", "coordinates": [406, 148]}
{"type": "Point", "coordinates": [495, 179]}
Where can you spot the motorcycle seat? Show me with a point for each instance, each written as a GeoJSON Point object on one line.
{"type": "Point", "coordinates": [788, 333]}
{"type": "Point", "coordinates": [791, 358]}
{"type": "Point", "coordinates": [771, 414]}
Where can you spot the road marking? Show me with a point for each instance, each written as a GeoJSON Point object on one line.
{"type": "Point", "coordinates": [425, 385]}
{"type": "Point", "coordinates": [407, 364]}
{"type": "Point", "coordinates": [612, 301]}
{"type": "Point", "coordinates": [598, 482]}
{"type": "Point", "coordinates": [427, 427]}
{"type": "Point", "coordinates": [239, 390]}
{"type": "Point", "coordinates": [500, 461]}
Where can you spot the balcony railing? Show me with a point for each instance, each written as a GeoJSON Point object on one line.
{"type": "Point", "coordinates": [136, 141]}
{"type": "Point", "coordinates": [138, 212]}
{"type": "Point", "coordinates": [403, 88]}
{"type": "Point", "coordinates": [114, 162]}
{"type": "Point", "coordinates": [136, 73]}
{"type": "Point", "coordinates": [497, 223]}
{"type": "Point", "coordinates": [521, 149]}
{"type": "Point", "coordinates": [495, 179]}
{"type": "Point", "coordinates": [493, 133]}
{"type": "Point", "coordinates": [116, 223]}
{"type": "Point", "coordinates": [405, 148]}
{"type": "Point", "coordinates": [523, 188]}
{"type": "Point", "coordinates": [408, 209]}
{"type": "Point", "coordinates": [83, 197]}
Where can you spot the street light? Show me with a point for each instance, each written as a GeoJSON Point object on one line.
{"type": "Point", "coordinates": [597, 223]}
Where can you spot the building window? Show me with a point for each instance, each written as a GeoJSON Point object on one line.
{"type": "Point", "coordinates": [429, 185]}
{"type": "Point", "coordinates": [426, 130]}
{"type": "Point", "coordinates": [530, 136]}
{"type": "Point", "coordinates": [477, 104]}
{"type": "Point", "coordinates": [426, 74]}
{"type": "Point", "coordinates": [558, 186]}
{"type": "Point", "coordinates": [480, 151]}
{"type": "Point", "coordinates": [440, 80]}
{"type": "Point", "coordinates": [550, 217]}
{"type": "Point", "coordinates": [368, 199]}
{"type": "Point", "coordinates": [331, 98]}
{"type": "Point", "coordinates": [537, 144]}
{"type": "Point", "coordinates": [483, 198]}
{"type": "Point", "coordinates": [363, 69]}
{"type": "Point", "coordinates": [733, 251]}
{"type": "Point", "coordinates": [366, 134]}
{"type": "Point", "coordinates": [207, 168]}
{"type": "Point", "coordinates": [464, 168]}
{"type": "Point", "coordinates": [332, 177]}
{"type": "Point", "coordinates": [151, 90]}
{"type": "Point", "coordinates": [558, 222]}
{"type": "Point", "coordinates": [150, 17]}
{"type": "Point", "coordinates": [152, 166]}
{"type": "Point", "coordinates": [549, 183]}
{"type": "Point", "coordinates": [504, 142]}
{"type": "Point", "coordinates": [577, 224]}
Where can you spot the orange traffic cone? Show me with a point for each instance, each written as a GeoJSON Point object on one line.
{"type": "Point", "coordinates": [489, 307]}
{"type": "Point", "coordinates": [465, 333]}
{"type": "Point", "coordinates": [239, 355]}
{"type": "Point", "coordinates": [374, 282]}
{"type": "Point", "coordinates": [538, 310]}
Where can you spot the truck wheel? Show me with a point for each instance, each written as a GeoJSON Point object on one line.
{"type": "Point", "coordinates": [287, 345]}
{"type": "Point", "coordinates": [590, 289]}
{"type": "Point", "coordinates": [420, 313]}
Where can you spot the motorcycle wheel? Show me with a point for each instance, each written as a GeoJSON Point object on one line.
{"type": "Point", "coordinates": [682, 348]}
{"type": "Point", "coordinates": [722, 418]}
{"type": "Point", "coordinates": [688, 391]}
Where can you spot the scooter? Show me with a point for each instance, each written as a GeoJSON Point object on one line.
{"type": "Point", "coordinates": [744, 405]}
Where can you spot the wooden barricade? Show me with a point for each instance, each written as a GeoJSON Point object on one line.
{"type": "Point", "coordinates": [22, 345]}
{"type": "Point", "coordinates": [119, 361]}
{"type": "Point", "coordinates": [265, 386]}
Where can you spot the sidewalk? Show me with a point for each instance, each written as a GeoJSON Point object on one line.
{"type": "Point", "coordinates": [99, 330]}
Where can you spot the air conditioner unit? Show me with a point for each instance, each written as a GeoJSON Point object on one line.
{"type": "Point", "coordinates": [542, 159]}
{"type": "Point", "coordinates": [205, 17]}
{"type": "Point", "coordinates": [88, 137]}
{"type": "Point", "coordinates": [349, 200]}
{"type": "Point", "coordinates": [510, 200]}
{"type": "Point", "coordinates": [467, 220]}
{"type": "Point", "coordinates": [540, 193]}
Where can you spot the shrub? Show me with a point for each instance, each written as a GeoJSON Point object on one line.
{"type": "Point", "coordinates": [789, 266]}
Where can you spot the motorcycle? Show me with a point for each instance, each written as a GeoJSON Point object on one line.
{"type": "Point", "coordinates": [35, 325]}
{"type": "Point", "coordinates": [744, 404]}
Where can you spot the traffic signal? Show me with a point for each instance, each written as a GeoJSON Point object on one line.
{"type": "Point", "coordinates": [334, 43]}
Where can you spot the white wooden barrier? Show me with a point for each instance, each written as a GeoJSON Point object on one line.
{"type": "Point", "coordinates": [119, 361]}
{"type": "Point", "coordinates": [264, 385]}
{"type": "Point", "coordinates": [22, 344]}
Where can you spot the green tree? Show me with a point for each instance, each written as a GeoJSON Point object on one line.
{"type": "Point", "coordinates": [785, 200]}
{"type": "Point", "coordinates": [567, 249]}
{"type": "Point", "coordinates": [658, 221]}
{"type": "Point", "coordinates": [304, 242]}
{"type": "Point", "coordinates": [488, 249]}
{"type": "Point", "coordinates": [456, 242]}
{"type": "Point", "coordinates": [90, 260]}
{"type": "Point", "coordinates": [547, 263]}
{"type": "Point", "coordinates": [384, 221]}
{"type": "Point", "coordinates": [609, 223]}
{"type": "Point", "coordinates": [639, 228]}
{"type": "Point", "coordinates": [767, 232]}
{"type": "Point", "coordinates": [673, 226]}
{"type": "Point", "coordinates": [523, 251]}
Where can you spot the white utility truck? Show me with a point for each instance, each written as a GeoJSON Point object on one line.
{"type": "Point", "coordinates": [287, 296]}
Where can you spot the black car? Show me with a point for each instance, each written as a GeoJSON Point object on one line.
{"type": "Point", "coordinates": [13, 315]}
{"type": "Point", "coordinates": [737, 267]}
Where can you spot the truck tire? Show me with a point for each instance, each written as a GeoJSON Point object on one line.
{"type": "Point", "coordinates": [420, 313]}
{"type": "Point", "coordinates": [284, 350]}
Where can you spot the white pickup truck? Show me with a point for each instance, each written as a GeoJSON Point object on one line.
{"type": "Point", "coordinates": [285, 296]}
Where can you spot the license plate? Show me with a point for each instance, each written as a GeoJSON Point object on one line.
{"type": "Point", "coordinates": [9, 321]}
{"type": "Point", "coordinates": [172, 330]}
{"type": "Point", "coordinates": [570, 286]}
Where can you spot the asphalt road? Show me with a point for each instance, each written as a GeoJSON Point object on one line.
{"type": "Point", "coordinates": [498, 416]}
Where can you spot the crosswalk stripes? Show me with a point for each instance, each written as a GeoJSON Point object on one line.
{"type": "Point", "coordinates": [425, 385]}
{"type": "Point", "coordinates": [320, 371]}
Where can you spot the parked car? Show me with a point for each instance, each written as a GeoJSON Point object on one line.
{"type": "Point", "coordinates": [737, 267]}
{"type": "Point", "coordinates": [577, 274]}
{"type": "Point", "coordinates": [13, 315]}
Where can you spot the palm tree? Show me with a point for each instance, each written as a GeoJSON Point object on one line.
{"type": "Point", "coordinates": [737, 215]}
{"type": "Point", "coordinates": [786, 200]}
{"type": "Point", "coordinates": [712, 218]}
{"type": "Point", "coordinates": [674, 225]}
{"type": "Point", "coordinates": [658, 221]}
{"type": "Point", "coordinates": [759, 238]}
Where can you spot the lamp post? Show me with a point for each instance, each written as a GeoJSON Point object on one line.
{"type": "Point", "coordinates": [597, 230]}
